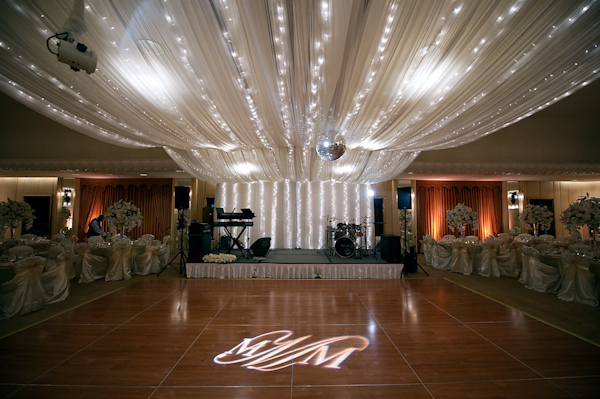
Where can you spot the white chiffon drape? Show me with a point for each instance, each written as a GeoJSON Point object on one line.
{"type": "Point", "coordinates": [239, 91]}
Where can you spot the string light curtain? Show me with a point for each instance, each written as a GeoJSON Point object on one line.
{"type": "Point", "coordinates": [239, 91]}
{"type": "Point", "coordinates": [435, 198]}
{"type": "Point", "coordinates": [297, 214]}
{"type": "Point", "coordinates": [153, 197]}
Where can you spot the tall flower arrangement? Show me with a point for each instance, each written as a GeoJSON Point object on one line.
{"type": "Point", "coordinates": [123, 216]}
{"type": "Point", "coordinates": [13, 212]}
{"type": "Point", "coordinates": [537, 217]}
{"type": "Point", "coordinates": [583, 212]}
{"type": "Point", "coordinates": [461, 216]}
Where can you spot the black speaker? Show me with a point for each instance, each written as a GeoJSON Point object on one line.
{"type": "Point", "coordinates": [404, 197]}
{"type": "Point", "coordinates": [390, 248]}
{"type": "Point", "coordinates": [261, 246]}
{"type": "Point", "coordinates": [410, 261]}
{"type": "Point", "coordinates": [182, 197]}
{"type": "Point", "coordinates": [199, 246]}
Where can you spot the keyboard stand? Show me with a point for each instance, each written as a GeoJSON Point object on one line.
{"type": "Point", "coordinates": [236, 242]}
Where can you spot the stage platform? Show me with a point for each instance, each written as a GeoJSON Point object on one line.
{"type": "Point", "coordinates": [299, 264]}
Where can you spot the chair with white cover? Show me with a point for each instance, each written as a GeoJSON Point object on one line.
{"type": "Point", "coordinates": [472, 239]}
{"type": "Point", "coordinates": [427, 249]}
{"type": "Point", "coordinates": [508, 262]}
{"type": "Point", "coordinates": [489, 264]}
{"type": "Point", "coordinates": [20, 252]}
{"type": "Point", "coordinates": [547, 237]}
{"type": "Point", "coordinates": [95, 240]}
{"type": "Point", "coordinates": [525, 236]}
{"type": "Point", "coordinates": [24, 293]}
{"type": "Point", "coordinates": [448, 237]}
{"type": "Point", "coordinates": [164, 256]}
{"type": "Point", "coordinates": [58, 237]}
{"type": "Point", "coordinates": [525, 277]}
{"type": "Point", "coordinates": [148, 262]}
{"type": "Point", "coordinates": [28, 237]}
{"type": "Point", "coordinates": [543, 277]}
{"type": "Point", "coordinates": [460, 261]}
{"type": "Point", "coordinates": [120, 263]}
{"type": "Point", "coordinates": [93, 267]}
{"type": "Point", "coordinates": [56, 280]}
{"type": "Point", "coordinates": [441, 255]}
{"type": "Point", "coordinates": [51, 256]}
{"type": "Point", "coordinates": [147, 238]}
{"type": "Point", "coordinates": [579, 284]}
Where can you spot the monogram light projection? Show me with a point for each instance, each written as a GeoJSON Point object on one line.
{"type": "Point", "coordinates": [276, 350]}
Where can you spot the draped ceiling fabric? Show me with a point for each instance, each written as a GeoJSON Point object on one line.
{"type": "Point", "coordinates": [239, 91]}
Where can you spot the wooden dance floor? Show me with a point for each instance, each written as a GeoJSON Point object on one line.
{"type": "Point", "coordinates": [259, 338]}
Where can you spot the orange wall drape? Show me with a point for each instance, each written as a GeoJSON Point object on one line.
{"type": "Point", "coordinates": [435, 198]}
{"type": "Point", "coordinates": [152, 196]}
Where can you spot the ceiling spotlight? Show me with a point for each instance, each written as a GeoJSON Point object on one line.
{"type": "Point", "coordinates": [331, 145]}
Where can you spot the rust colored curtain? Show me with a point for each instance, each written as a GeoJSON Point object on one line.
{"type": "Point", "coordinates": [152, 196]}
{"type": "Point", "coordinates": [435, 198]}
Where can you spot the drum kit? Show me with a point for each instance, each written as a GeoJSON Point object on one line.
{"type": "Point", "coordinates": [347, 239]}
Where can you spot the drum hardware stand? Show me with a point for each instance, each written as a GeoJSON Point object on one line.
{"type": "Point", "coordinates": [181, 227]}
{"type": "Point", "coordinates": [406, 255]}
{"type": "Point", "coordinates": [328, 246]}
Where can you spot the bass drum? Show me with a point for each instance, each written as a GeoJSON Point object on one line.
{"type": "Point", "coordinates": [345, 247]}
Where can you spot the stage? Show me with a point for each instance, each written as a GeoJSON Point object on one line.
{"type": "Point", "coordinates": [299, 264]}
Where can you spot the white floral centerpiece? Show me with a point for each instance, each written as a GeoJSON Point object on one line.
{"type": "Point", "coordinates": [583, 212]}
{"type": "Point", "coordinates": [123, 216]}
{"type": "Point", "coordinates": [13, 213]}
{"type": "Point", "coordinates": [461, 216]}
{"type": "Point", "coordinates": [536, 218]}
{"type": "Point", "coordinates": [219, 258]}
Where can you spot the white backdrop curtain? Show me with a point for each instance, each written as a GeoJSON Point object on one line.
{"type": "Point", "coordinates": [295, 214]}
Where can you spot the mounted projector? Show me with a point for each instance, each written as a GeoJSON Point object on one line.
{"type": "Point", "coordinates": [70, 50]}
{"type": "Point", "coordinates": [73, 53]}
{"type": "Point", "coordinates": [77, 55]}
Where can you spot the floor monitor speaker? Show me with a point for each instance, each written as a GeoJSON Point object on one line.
{"type": "Point", "coordinates": [261, 246]}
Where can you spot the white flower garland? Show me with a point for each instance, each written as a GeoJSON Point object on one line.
{"type": "Point", "coordinates": [219, 258]}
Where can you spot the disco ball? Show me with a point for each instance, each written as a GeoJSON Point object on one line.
{"type": "Point", "coordinates": [331, 145]}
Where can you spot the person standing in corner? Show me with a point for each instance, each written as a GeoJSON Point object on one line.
{"type": "Point", "coordinates": [94, 228]}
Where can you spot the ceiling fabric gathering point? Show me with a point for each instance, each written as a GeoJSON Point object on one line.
{"type": "Point", "coordinates": [241, 91]}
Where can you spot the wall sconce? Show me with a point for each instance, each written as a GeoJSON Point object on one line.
{"type": "Point", "coordinates": [513, 199]}
{"type": "Point", "coordinates": [67, 195]}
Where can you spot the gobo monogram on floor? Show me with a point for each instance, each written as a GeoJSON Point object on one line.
{"type": "Point", "coordinates": [278, 349]}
